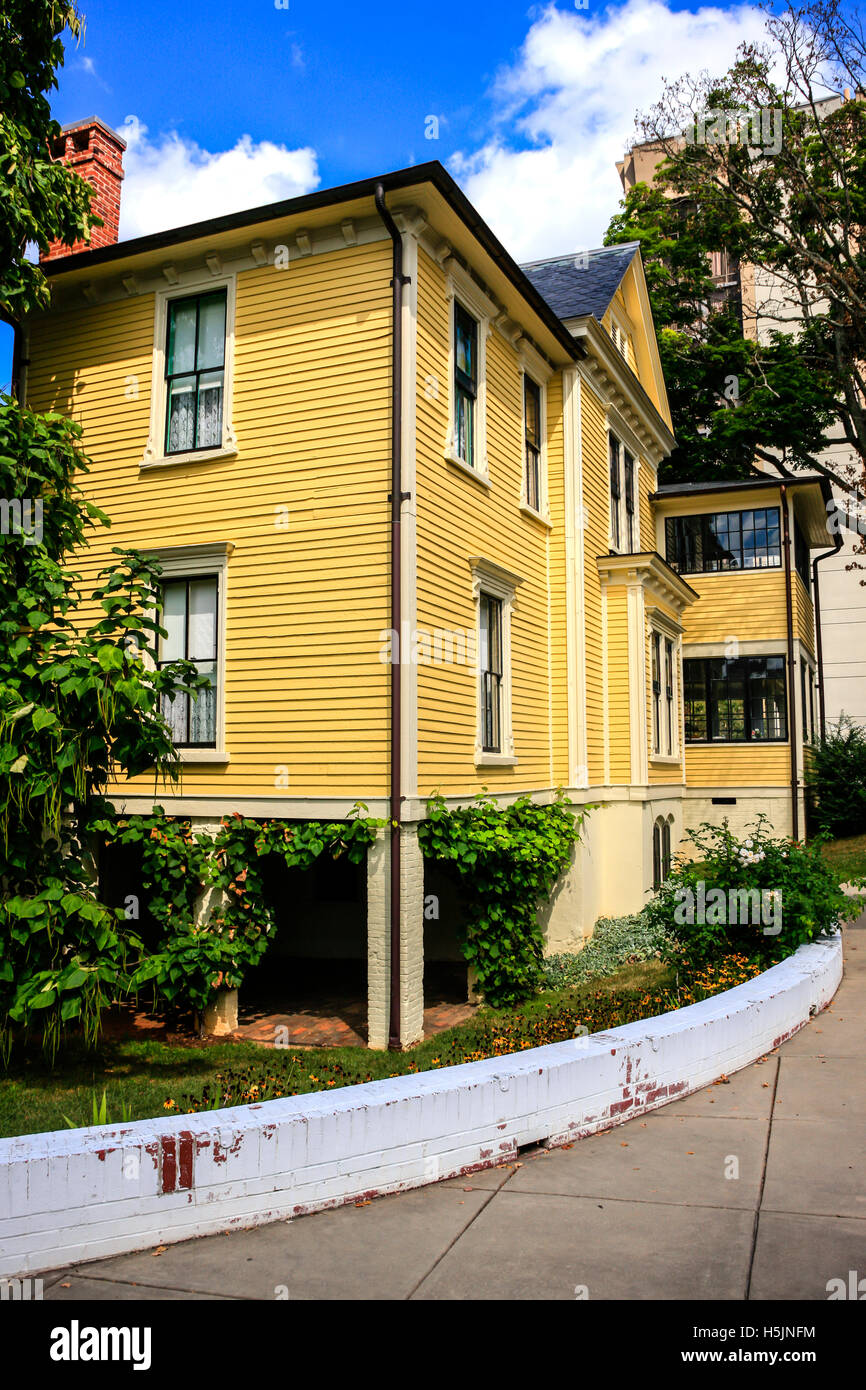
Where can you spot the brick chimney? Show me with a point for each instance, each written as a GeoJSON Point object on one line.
{"type": "Point", "coordinates": [95, 152]}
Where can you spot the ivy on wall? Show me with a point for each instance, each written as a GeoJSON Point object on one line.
{"type": "Point", "coordinates": [210, 942]}
{"type": "Point", "coordinates": [507, 860]}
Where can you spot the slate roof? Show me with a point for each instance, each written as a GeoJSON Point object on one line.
{"type": "Point", "coordinates": [582, 283]}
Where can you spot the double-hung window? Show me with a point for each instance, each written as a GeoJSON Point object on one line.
{"type": "Point", "coordinates": [465, 384]}
{"type": "Point", "coordinates": [615, 492]}
{"type": "Point", "coordinates": [736, 701]}
{"type": "Point", "coordinates": [663, 685]}
{"type": "Point", "coordinates": [490, 661]}
{"type": "Point", "coordinates": [188, 614]}
{"type": "Point", "coordinates": [532, 445]}
{"type": "Point", "coordinates": [195, 373]}
{"type": "Point", "coordinates": [669, 697]}
{"type": "Point", "coordinates": [629, 501]}
{"type": "Point", "coordinates": [656, 673]}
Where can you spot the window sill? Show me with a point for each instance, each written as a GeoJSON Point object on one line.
{"type": "Point", "coordinates": [482, 478]}
{"type": "Point", "coordinates": [195, 456]}
{"type": "Point", "coordinates": [536, 516]}
{"type": "Point", "coordinates": [666, 759]}
{"type": "Point", "coordinates": [217, 757]}
{"type": "Point", "coordinates": [495, 760]}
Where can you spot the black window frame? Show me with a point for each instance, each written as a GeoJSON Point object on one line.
{"type": "Point", "coordinates": [614, 459]}
{"type": "Point", "coordinates": [187, 579]}
{"type": "Point", "coordinates": [669, 688]}
{"type": "Point", "coordinates": [466, 385]}
{"type": "Point", "coordinates": [197, 373]}
{"type": "Point", "coordinates": [702, 672]}
{"type": "Point", "coordinates": [629, 475]}
{"type": "Point", "coordinates": [532, 446]}
{"type": "Point", "coordinates": [491, 677]}
{"type": "Point", "coordinates": [692, 547]}
{"type": "Point", "coordinates": [656, 684]}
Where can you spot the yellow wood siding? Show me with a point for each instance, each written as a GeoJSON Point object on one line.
{"type": "Point", "coordinates": [618, 685]}
{"type": "Point", "coordinates": [804, 613]}
{"type": "Point", "coordinates": [557, 581]}
{"type": "Point", "coordinates": [596, 518]}
{"type": "Point", "coordinates": [459, 518]}
{"type": "Point", "coordinates": [748, 765]}
{"type": "Point", "coordinates": [748, 605]}
{"type": "Point", "coordinates": [306, 688]}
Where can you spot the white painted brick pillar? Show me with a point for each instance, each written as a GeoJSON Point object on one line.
{"type": "Point", "coordinates": [411, 939]}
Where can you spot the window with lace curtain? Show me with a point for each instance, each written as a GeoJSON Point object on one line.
{"type": "Point", "coordinates": [195, 372]}
{"type": "Point", "coordinates": [188, 614]}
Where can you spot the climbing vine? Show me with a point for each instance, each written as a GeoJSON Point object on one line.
{"type": "Point", "coordinates": [507, 860]}
{"type": "Point", "coordinates": [209, 896]}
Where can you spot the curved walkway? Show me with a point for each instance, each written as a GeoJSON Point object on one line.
{"type": "Point", "coordinates": [750, 1189]}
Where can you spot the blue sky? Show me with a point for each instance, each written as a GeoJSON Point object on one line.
{"type": "Point", "coordinates": [232, 103]}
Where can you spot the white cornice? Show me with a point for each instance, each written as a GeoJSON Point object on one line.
{"type": "Point", "coordinates": [650, 572]}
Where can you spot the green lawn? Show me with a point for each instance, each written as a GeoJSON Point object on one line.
{"type": "Point", "coordinates": [848, 857]}
{"type": "Point", "coordinates": [151, 1078]}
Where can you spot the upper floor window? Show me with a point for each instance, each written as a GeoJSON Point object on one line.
{"type": "Point", "coordinates": [630, 530]}
{"type": "Point", "coordinates": [189, 615]}
{"type": "Point", "coordinates": [623, 503]}
{"type": "Point", "coordinates": [532, 445]}
{"type": "Point", "coordinates": [490, 662]}
{"type": "Point", "coordinates": [615, 447]}
{"type": "Point", "coordinates": [735, 701]}
{"type": "Point", "coordinates": [465, 384]}
{"type": "Point", "coordinates": [724, 541]}
{"type": "Point", "coordinates": [195, 373]}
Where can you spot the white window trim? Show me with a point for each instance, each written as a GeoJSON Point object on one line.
{"type": "Point", "coordinates": [669, 630]}
{"type": "Point", "coordinates": [542, 512]}
{"type": "Point", "coordinates": [194, 283]}
{"type": "Point", "coordinates": [493, 579]}
{"type": "Point", "coordinates": [626, 445]}
{"type": "Point", "coordinates": [617, 549]}
{"type": "Point", "coordinates": [185, 562]}
{"type": "Point", "coordinates": [460, 287]}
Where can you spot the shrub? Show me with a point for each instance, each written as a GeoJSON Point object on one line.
{"type": "Point", "coordinates": [615, 941]}
{"type": "Point", "coordinates": [786, 892]}
{"type": "Point", "coordinates": [837, 779]}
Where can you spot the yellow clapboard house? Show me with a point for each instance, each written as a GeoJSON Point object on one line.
{"type": "Point", "coordinates": [405, 496]}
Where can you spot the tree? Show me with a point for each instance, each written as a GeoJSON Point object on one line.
{"type": "Point", "coordinates": [760, 164]}
{"type": "Point", "coordinates": [732, 399]}
{"type": "Point", "coordinates": [43, 200]}
{"type": "Point", "coordinates": [79, 697]}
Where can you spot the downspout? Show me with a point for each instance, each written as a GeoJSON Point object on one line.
{"type": "Point", "coordinates": [819, 650]}
{"type": "Point", "coordinates": [397, 498]}
{"type": "Point", "coordinates": [792, 680]}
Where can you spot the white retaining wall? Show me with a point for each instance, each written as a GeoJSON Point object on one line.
{"type": "Point", "coordinates": [82, 1194]}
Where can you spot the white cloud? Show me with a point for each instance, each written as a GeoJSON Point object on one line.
{"type": "Point", "coordinates": [572, 96]}
{"type": "Point", "coordinates": [170, 181]}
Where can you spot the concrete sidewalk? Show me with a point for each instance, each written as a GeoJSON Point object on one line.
{"type": "Point", "coordinates": [751, 1189]}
